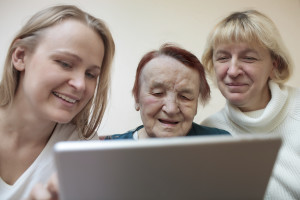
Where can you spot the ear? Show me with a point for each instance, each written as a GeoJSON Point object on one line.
{"type": "Point", "coordinates": [136, 100]}
{"type": "Point", "coordinates": [137, 106]}
{"type": "Point", "coordinates": [275, 67]}
{"type": "Point", "coordinates": [18, 58]}
{"type": "Point", "coordinates": [197, 104]}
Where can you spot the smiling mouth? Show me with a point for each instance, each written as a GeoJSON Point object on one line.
{"type": "Point", "coordinates": [65, 98]}
{"type": "Point", "coordinates": [235, 84]}
{"type": "Point", "coordinates": [237, 87]}
{"type": "Point", "coordinates": [168, 122]}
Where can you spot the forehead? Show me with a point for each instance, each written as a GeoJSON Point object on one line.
{"type": "Point", "coordinates": [244, 47]}
{"type": "Point", "coordinates": [62, 36]}
{"type": "Point", "coordinates": [165, 69]}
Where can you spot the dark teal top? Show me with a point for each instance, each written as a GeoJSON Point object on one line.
{"type": "Point", "coordinates": [196, 130]}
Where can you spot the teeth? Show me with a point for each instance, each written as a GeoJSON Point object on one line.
{"type": "Point", "coordinates": [168, 122]}
{"type": "Point", "coordinates": [65, 98]}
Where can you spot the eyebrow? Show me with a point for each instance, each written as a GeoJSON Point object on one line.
{"type": "Point", "coordinates": [68, 54]}
{"type": "Point", "coordinates": [161, 85]}
{"type": "Point", "coordinates": [157, 85]}
{"type": "Point", "coordinates": [186, 91]}
{"type": "Point", "coordinates": [244, 51]}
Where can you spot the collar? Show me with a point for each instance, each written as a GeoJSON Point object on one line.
{"type": "Point", "coordinates": [269, 118]}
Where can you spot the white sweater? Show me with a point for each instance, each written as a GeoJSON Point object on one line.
{"type": "Point", "coordinates": [281, 116]}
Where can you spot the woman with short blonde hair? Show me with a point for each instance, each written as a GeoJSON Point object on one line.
{"type": "Point", "coordinates": [246, 58]}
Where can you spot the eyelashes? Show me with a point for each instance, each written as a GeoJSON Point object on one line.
{"type": "Point", "coordinates": [69, 66]}
{"type": "Point", "coordinates": [64, 64]}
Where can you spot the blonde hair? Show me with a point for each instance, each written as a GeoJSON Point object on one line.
{"type": "Point", "coordinates": [251, 27]}
{"type": "Point", "coordinates": [89, 119]}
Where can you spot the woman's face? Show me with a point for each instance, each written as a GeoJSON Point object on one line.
{"type": "Point", "coordinates": [168, 97]}
{"type": "Point", "coordinates": [59, 78]}
{"type": "Point", "coordinates": [242, 73]}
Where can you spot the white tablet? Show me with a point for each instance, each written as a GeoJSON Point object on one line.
{"type": "Point", "coordinates": [198, 167]}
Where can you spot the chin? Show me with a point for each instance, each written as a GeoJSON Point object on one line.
{"type": "Point", "coordinates": [62, 120]}
{"type": "Point", "coordinates": [236, 100]}
{"type": "Point", "coordinates": [237, 104]}
{"type": "Point", "coordinates": [166, 135]}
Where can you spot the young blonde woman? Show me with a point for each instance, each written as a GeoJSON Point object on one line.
{"type": "Point", "coordinates": [54, 87]}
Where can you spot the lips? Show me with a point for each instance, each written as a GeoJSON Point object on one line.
{"type": "Point", "coordinates": [236, 84]}
{"type": "Point", "coordinates": [237, 87]}
{"type": "Point", "coordinates": [168, 121]}
{"type": "Point", "coordinates": [65, 98]}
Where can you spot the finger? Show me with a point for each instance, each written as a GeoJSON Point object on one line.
{"type": "Point", "coordinates": [39, 192]}
{"type": "Point", "coordinates": [53, 186]}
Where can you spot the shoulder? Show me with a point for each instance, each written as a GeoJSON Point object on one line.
{"type": "Point", "coordinates": [294, 96]}
{"type": "Point", "coordinates": [295, 93]}
{"type": "Point", "coordinates": [216, 120]}
{"type": "Point", "coordinates": [127, 135]}
{"type": "Point", "coordinates": [205, 130]}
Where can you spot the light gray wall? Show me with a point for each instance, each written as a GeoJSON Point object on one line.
{"type": "Point", "coordinates": [142, 25]}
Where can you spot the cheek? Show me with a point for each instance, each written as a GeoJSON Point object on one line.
{"type": "Point", "coordinates": [269, 73]}
{"type": "Point", "coordinates": [150, 101]}
{"type": "Point", "coordinates": [37, 82]}
{"type": "Point", "coordinates": [90, 90]}
{"type": "Point", "coordinates": [150, 105]}
{"type": "Point", "coordinates": [220, 71]}
{"type": "Point", "coordinates": [189, 110]}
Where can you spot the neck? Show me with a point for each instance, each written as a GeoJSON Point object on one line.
{"type": "Point", "coordinates": [142, 134]}
{"type": "Point", "coordinates": [22, 128]}
{"type": "Point", "coordinates": [260, 103]}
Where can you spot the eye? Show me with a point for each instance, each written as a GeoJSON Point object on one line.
{"type": "Point", "coordinates": [184, 97]}
{"type": "Point", "coordinates": [222, 58]}
{"type": "Point", "coordinates": [157, 94]}
{"type": "Point", "coordinates": [91, 75]}
{"type": "Point", "coordinates": [64, 64]}
{"type": "Point", "coordinates": [249, 59]}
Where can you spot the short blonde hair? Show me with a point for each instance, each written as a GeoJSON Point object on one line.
{"type": "Point", "coordinates": [251, 27]}
{"type": "Point", "coordinates": [89, 119]}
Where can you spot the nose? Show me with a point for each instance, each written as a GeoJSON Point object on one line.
{"type": "Point", "coordinates": [77, 81]}
{"type": "Point", "coordinates": [234, 69]}
{"type": "Point", "coordinates": [171, 106]}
